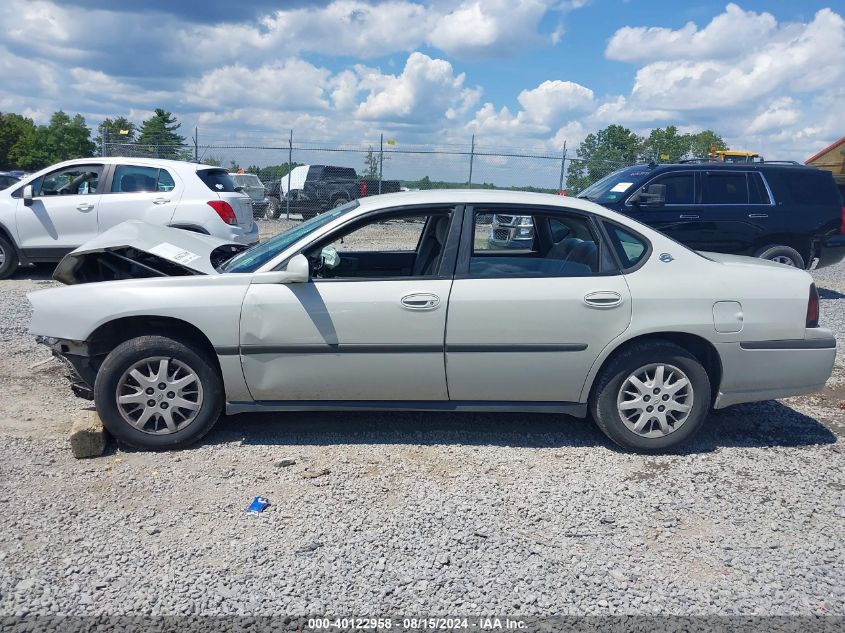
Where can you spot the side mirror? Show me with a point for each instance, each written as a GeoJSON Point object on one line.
{"type": "Point", "coordinates": [654, 196]}
{"type": "Point", "coordinates": [297, 271]}
{"type": "Point", "coordinates": [27, 196]}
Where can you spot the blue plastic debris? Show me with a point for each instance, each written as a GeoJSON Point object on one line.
{"type": "Point", "coordinates": [257, 505]}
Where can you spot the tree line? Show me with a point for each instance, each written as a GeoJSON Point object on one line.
{"type": "Point", "coordinates": [615, 146]}
{"type": "Point", "coordinates": [25, 145]}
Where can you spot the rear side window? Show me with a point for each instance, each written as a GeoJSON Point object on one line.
{"type": "Point", "coordinates": [217, 180]}
{"type": "Point", "coordinates": [724, 188]}
{"type": "Point", "coordinates": [630, 248]}
{"type": "Point", "coordinates": [339, 173]}
{"type": "Point", "coordinates": [135, 178]}
{"type": "Point", "coordinates": [809, 186]}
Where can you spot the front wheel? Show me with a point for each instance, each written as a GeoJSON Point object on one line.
{"type": "Point", "coordinates": [651, 397]}
{"type": "Point", "coordinates": [8, 258]}
{"type": "Point", "coordinates": [154, 392]}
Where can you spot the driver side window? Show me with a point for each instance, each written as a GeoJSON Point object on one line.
{"type": "Point", "coordinates": [74, 181]}
{"type": "Point", "coordinates": [407, 245]}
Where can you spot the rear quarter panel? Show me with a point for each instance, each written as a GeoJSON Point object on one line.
{"type": "Point", "coordinates": [678, 296]}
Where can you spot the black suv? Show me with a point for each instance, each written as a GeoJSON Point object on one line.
{"type": "Point", "coordinates": [787, 213]}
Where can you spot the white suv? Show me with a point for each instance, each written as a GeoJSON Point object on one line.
{"type": "Point", "coordinates": [48, 214]}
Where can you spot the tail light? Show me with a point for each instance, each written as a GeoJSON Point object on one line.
{"type": "Point", "coordinates": [224, 210]}
{"type": "Point", "coordinates": [842, 225]}
{"type": "Point", "coordinates": [813, 307]}
{"type": "Point", "coordinates": [363, 188]}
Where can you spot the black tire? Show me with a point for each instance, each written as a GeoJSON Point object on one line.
{"type": "Point", "coordinates": [603, 401]}
{"type": "Point", "coordinates": [9, 257]}
{"type": "Point", "coordinates": [274, 210]}
{"type": "Point", "coordinates": [779, 253]}
{"type": "Point", "coordinates": [123, 357]}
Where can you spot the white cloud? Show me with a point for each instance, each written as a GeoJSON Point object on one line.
{"type": "Point", "coordinates": [293, 84]}
{"type": "Point", "coordinates": [489, 27]}
{"type": "Point", "coordinates": [791, 61]}
{"type": "Point", "coordinates": [780, 113]}
{"type": "Point", "coordinates": [549, 102]}
{"type": "Point", "coordinates": [426, 90]}
{"type": "Point", "coordinates": [730, 34]}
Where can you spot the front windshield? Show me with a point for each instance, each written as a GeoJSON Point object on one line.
{"type": "Point", "coordinates": [615, 186]}
{"type": "Point", "coordinates": [252, 259]}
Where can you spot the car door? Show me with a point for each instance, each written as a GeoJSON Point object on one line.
{"type": "Point", "coordinates": [364, 332]}
{"type": "Point", "coordinates": [63, 212]}
{"type": "Point", "coordinates": [679, 216]}
{"type": "Point", "coordinates": [527, 324]}
{"type": "Point", "coordinates": [736, 205]}
{"type": "Point", "coordinates": [138, 192]}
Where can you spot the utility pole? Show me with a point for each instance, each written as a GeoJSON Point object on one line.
{"type": "Point", "coordinates": [471, 159]}
{"type": "Point", "coordinates": [196, 145]}
{"type": "Point", "coordinates": [562, 167]}
{"type": "Point", "coordinates": [380, 161]}
{"type": "Point", "coordinates": [290, 169]}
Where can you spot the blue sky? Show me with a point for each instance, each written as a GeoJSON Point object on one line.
{"type": "Point", "coordinates": [768, 76]}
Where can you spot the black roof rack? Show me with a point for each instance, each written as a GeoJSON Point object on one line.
{"type": "Point", "coordinates": [781, 162]}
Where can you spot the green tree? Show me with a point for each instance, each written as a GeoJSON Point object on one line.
{"type": "Point", "coordinates": [665, 145]}
{"type": "Point", "coordinates": [117, 130]}
{"type": "Point", "coordinates": [371, 164]}
{"type": "Point", "coordinates": [159, 134]}
{"type": "Point", "coordinates": [61, 139]}
{"type": "Point", "coordinates": [701, 143]}
{"type": "Point", "coordinates": [601, 153]}
{"type": "Point", "coordinates": [17, 138]}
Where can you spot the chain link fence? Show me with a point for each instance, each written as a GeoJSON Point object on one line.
{"type": "Point", "coordinates": [383, 163]}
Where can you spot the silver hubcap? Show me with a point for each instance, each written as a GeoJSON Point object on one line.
{"type": "Point", "coordinates": [655, 400]}
{"type": "Point", "coordinates": [784, 259]}
{"type": "Point", "coordinates": [159, 395]}
{"type": "Point", "coordinates": [2, 256]}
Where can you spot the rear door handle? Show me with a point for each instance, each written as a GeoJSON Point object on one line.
{"type": "Point", "coordinates": [603, 299]}
{"type": "Point", "coordinates": [161, 201]}
{"type": "Point", "coordinates": [420, 301]}
{"type": "Point", "coordinates": [689, 217]}
{"type": "Point", "coordinates": [87, 206]}
{"type": "Point", "coordinates": [758, 215]}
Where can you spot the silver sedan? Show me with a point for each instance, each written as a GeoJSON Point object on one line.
{"type": "Point", "coordinates": [403, 302]}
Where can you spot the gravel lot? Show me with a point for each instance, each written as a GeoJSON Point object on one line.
{"type": "Point", "coordinates": [419, 513]}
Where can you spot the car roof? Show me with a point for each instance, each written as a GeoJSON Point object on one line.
{"type": "Point", "coordinates": [135, 160]}
{"type": "Point", "coordinates": [477, 197]}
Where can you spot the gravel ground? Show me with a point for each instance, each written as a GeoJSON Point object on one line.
{"type": "Point", "coordinates": [419, 513]}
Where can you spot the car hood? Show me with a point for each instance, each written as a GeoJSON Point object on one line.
{"type": "Point", "coordinates": [136, 249]}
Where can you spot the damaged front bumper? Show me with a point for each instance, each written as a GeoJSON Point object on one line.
{"type": "Point", "coordinates": [81, 365]}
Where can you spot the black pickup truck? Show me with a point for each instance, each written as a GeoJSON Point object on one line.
{"type": "Point", "coordinates": [317, 188]}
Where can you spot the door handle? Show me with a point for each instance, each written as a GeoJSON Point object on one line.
{"type": "Point", "coordinates": [420, 301]}
{"type": "Point", "coordinates": [603, 299]}
{"type": "Point", "coordinates": [161, 201]}
{"type": "Point", "coordinates": [87, 206]}
{"type": "Point", "coordinates": [689, 217]}
{"type": "Point", "coordinates": [758, 215]}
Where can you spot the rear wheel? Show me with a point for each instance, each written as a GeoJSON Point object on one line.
{"type": "Point", "coordinates": [651, 397]}
{"type": "Point", "coordinates": [340, 202]}
{"type": "Point", "coordinates": [780, 254]}
{"type": "Point", "coordinates": [8, 258]}
{"type": "Point", "coordinates": [154, 392]}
